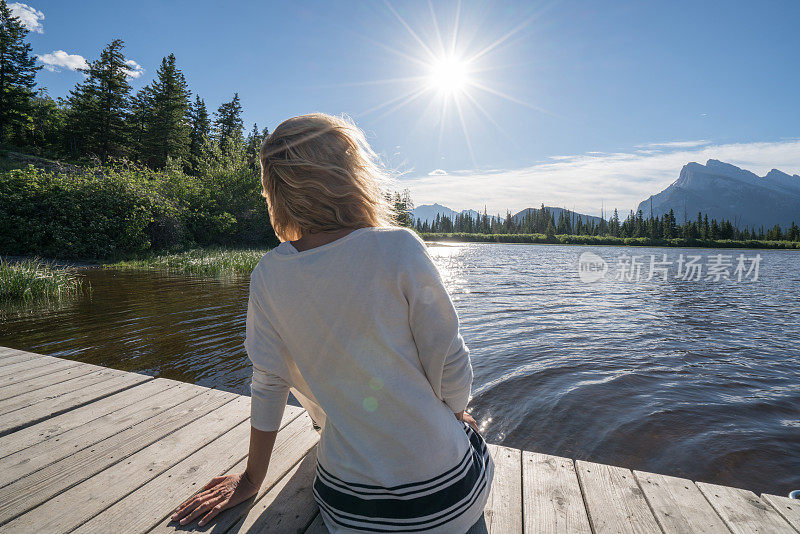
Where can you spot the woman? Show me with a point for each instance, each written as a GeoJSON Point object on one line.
{"type": "Point", "coordinates": [350, 313]}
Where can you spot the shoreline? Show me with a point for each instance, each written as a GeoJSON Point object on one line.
{"type": "Point", "coordinates": [607, 241]}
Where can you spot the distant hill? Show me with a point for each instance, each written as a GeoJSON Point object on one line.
{"type": "Point", "coordinates": [724, 191]}
{"type": "Point", "coordinates": [428, 212]}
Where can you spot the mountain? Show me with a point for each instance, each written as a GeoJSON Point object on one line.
{"type": "Point", "coordinates": [573, 216]}
{"type": "Point", "coordinates": [428, 212]}
{"type": "Point", "coordinates": [724, 191]}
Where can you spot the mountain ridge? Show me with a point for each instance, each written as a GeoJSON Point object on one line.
{"type": "Point", "coordinates": [724, 191]}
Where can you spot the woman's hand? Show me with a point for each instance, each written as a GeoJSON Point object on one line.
{"type": "Point", "coordinates": [467, 418]}
{"type": "Point", "coordinates": [220, 494]}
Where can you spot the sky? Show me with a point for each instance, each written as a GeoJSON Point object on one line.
{"type": "Point", "coordinates": [478, 104]}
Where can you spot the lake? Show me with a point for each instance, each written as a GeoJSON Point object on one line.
{"type": "Point", "coordinates": [692, 372]}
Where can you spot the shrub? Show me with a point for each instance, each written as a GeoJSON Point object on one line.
{"type": "Point", "coordinates": [123, 210]}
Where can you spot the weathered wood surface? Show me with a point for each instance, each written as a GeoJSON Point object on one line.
{"type": "Point", "coordinates": [9, 356]}
{"type": "Point", "coordinates": [614, 501]}
{"type": "Point", "coordinates": [41, 405]}
{"type": "Point", "coordinates": [86, 449]}
{"type": "Point", "coordinates": [678, 505]}
{"type": "Point", "coordinates": [503, 512]}
{"type": "Point", "coordinates": [33, 369]}
{"type": "Point", "coordinates": [788, 508]}
{"type": "Point", "coordinates": [742, 510]}
{"type": "Point", "coordinates": [552, 496]}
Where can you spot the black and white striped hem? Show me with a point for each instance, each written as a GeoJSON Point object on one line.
{"type": "Point", "coordinates": [415, 507]}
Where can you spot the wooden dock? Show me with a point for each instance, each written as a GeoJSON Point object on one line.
{"type": "Point", "coordinates": [92, 450]}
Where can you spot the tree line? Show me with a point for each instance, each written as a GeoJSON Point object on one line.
{"type": "Point", "coordinates": [635, 225]}
{"type": "Point", "coordinates": [103, 120]}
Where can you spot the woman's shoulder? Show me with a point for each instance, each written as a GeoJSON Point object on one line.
{"type": "Point", "coordinates": [399, 236]}
{"type": "Point", "coordinates": [259, 271]}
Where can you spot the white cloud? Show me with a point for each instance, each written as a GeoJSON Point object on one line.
{"type": "Point", "coordinates": [438, 172]}
{"type": "Point", "coordinates": [30, 17]}
{"type": "Point", "coordinates": [584, 182]}
{"type": "Point", "coordinates": [676, 144]}
{"type": "Point", "coordinates": [135, 70]}
{"type": "Point", "coordinates": [58, 59]}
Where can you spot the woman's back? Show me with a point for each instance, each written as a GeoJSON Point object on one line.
{"type": "Point", "coordinates": [363, 328]}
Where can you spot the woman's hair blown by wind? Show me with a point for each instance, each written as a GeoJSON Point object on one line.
{"type": "Point", "coordinates": [319, 174]}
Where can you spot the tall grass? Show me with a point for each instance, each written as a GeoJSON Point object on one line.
{"type": "Point", "coordinates": [29, 280]}
{"type": "Point", "coordinates": [199, 262]}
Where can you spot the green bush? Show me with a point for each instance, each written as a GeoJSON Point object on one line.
{"type": "Point", "coordinates": [122, 210]}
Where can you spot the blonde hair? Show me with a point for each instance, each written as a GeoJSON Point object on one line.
{"type": "Point", "coordinates": [319, 174]}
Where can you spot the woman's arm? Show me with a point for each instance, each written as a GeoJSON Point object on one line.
{"type": "Point", "coordinates": [227, 491]}
{"type": "Point", "coordinates": [435, 327]}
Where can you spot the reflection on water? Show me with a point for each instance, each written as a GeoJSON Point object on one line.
{"type": "Point", "coordinates": [694, 379]}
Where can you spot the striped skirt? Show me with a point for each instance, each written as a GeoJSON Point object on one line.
{"type": "Point", "coordinates": [448, 503]}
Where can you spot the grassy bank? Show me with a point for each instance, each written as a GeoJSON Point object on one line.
{"type": "Point", "coordinates": [212, 262]}
{"type": "Point", "coordinates": [609, 240]}
{"type": "Point", "coordinates": [31, 279]}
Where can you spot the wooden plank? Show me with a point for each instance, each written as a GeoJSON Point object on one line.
{"type": "Point", "coordinates": [551, 496]}
{"type": "Point", "coordinates": [6, 369]}
{"type": "Point", "coordinates": [288, 506]}
{"type": "Point", "coordinates": [85, 500]}
{"type": "Point", "coordinates": [789, 509]}
{"type": "Point", "coordinates": [22, 495]}
{"type": "Point", "coordinates": [286, 454]}
{"type": "Point", "coordinates": [37, 371]}
{"type": "Point", "coordinates": [9, 356]}
{"type": "Point", "coordinates": [78, 379]}
{"type": "Point", "coordinates": [60, 424]}
{"type": "Point", "coordinates": [742, 510]}
{"type": "Point", "coordinates": [62, 377]}
{"type": "Point", "coordinates": [678, 505]}
{"type": "Point", "coordinates": [56, 405]}
{"type": "Point", "coordinates": [151, 402]}
{"type": "Point", "coordinates": [614, 500]}
{"type": "Point", "coordinates": [151, 504]}
{"type": "Point", "coordinates": [503, 511]}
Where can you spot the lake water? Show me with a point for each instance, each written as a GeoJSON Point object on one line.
{"type": "Point", "coordinates": [693, 378]}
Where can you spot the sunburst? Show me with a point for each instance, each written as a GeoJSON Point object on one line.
{"type": "Point", "coordinates": [450, 76]}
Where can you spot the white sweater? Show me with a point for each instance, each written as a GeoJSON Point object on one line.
{"type": "Point", "coordinates": [365, 334]}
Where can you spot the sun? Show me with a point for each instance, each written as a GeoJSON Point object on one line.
{"type": "Point", "coordinates": [449, 75]}
{"type": "Point", "coordinates": [455, 72]}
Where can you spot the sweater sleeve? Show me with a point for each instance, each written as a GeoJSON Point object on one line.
{"type": "Point", "coordinates": [435, 328]}
{"type": "Point", "coordinates": [268, 387]}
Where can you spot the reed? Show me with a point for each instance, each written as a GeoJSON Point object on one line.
{"type": "Point", "coordinates": [199, 262]}
{"type": "Point", "coordinates": [32, 279]}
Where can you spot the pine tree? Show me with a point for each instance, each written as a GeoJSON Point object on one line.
{"type": "Point", "coordinates": [167, 131]}
{"type": "Point", "coordinates": [139, 118]}
{"type": "Point", "coordinates": [46, 123]}
{"type": "Point", "coordinates": [228, 124]}
{"type": "Point", "coordinates": [99, 106]}
{"type": "Point", "coordinates": [17, 76]}
{"type": "Point", "coordinates": [199, 136]}
{"type": "Point", "coordinates": [252, 147]}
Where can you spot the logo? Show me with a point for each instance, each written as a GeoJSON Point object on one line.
{"type": "Point", "coordinates": [591, 267]}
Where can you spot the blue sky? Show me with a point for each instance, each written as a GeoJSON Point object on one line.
{"type": "Point", "coordinates": [602, 102]}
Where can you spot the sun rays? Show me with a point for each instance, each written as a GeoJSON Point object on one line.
{"type": "Point", "coordinates": [452, 75]}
